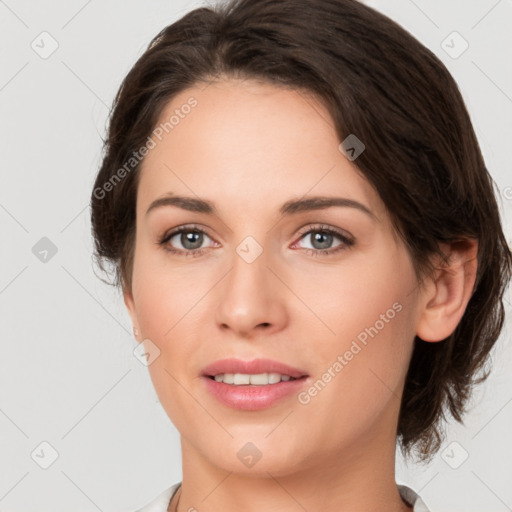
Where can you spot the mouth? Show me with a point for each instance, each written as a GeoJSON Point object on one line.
{"type": "Point", "coordinates": [253, 397]}
{"type": "Point", "coordinates": [252, 385]}
{"type": "Point", "coordinates": [258, 379]}
{"type": "Point", "coordinates": [258, 372]}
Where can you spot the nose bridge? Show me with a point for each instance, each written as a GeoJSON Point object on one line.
{"type": "Point", "coordinates": [249, 274]}
{"type": "Point", "coordinates": [250, 294]}
{"type": "Point", "coordinates": [250, 257]}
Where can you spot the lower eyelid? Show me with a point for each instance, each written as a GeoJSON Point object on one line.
{"type": "Point", "coordinates": [345, 240]}
{"type": "Point", "coordinates": [169, 237]}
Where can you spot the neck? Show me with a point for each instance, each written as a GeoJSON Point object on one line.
{"type": "Point", "coordinates": [360, 477]}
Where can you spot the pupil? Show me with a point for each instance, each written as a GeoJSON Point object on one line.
{"type": "Point", "coordinates": [189, 237]}
{"type": "Point", "coordinates": [321, 240]}
{"type": "Point", "coordinates": [318, 238]}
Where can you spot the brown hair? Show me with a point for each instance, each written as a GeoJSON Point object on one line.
{"type": "Point", "coordinates": [422, 157]}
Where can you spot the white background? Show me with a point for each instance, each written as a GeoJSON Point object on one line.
{"type": "Point", "coordinates": [67, 373]}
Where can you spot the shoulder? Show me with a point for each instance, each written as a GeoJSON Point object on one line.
{"type": "Point", "coordinates": [412, 498]}
{"type": "Point", "coordinates": [161, 502]}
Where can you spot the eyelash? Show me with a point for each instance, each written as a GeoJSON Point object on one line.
{"type": "Point", "coordinates": [346, 241]}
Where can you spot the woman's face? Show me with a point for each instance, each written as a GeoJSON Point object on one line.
{"type": "Point", "coordinates": [340, 308]}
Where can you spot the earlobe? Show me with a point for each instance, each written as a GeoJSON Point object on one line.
{"type": "Point", "coordinates": [130, 306]}
{"type": "Point", "coordinates": [446, 296]}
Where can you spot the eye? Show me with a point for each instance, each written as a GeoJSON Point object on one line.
{"type": "Point", "coordinates": [322, 238]}
{"type": "Point", "coordinates": [191, 239]}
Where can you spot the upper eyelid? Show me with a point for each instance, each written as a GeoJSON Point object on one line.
{"type": "Point", "coordinates": [176, 231]}
{"type": "Point", "coordinates": [303, 231]}
{"type": "Point", "coordinates": [324, 227]}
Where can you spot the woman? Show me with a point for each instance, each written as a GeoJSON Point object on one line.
{"type": "Point", "coordinates": [309, 247]}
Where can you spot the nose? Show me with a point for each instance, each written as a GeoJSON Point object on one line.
{"type": "Point", "coordinates": [251, 299]}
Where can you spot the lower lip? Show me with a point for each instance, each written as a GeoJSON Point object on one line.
{"type": "Point", "coordinates": [252, 398]}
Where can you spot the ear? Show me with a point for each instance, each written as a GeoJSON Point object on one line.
{"type": "Point", "coordinates": [446, 294]}
{"type": "Point", "coordinates": [130, 305]}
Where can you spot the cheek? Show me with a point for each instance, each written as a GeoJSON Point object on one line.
{"type": "Point", "coordinates": [365, 293]}
{"type": "Point", "coordinates": [170, 314]}
{"type": "Point", "coordinates": [166, 294]}
{"type": "Point", "coordinates": [360, 366]}
{"type": "Point", "coordinates": [358, 377]}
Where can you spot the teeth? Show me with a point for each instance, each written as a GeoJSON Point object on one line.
{"type": "Point", "coordinates": [261, 379]}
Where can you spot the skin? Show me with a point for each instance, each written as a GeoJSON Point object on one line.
{"type": "Point", "coordinates": [249, 147]}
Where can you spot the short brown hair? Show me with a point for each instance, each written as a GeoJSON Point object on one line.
{"type": "Point", "coordinates": [422, 157]}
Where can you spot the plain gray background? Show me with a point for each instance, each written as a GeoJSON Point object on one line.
{"type": "Point", "coordinates": [73, 396]}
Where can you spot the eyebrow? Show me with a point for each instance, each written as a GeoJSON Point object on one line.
{"type": "Point", "coordinates": [291, 207]}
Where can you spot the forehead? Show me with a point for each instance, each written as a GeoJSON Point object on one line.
{"type": "Point", "coordinates": [248, 143]}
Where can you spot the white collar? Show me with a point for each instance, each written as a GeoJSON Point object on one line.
{"type": "Point", "coordinates": [161, 502]}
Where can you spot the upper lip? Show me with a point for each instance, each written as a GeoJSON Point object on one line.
{"type": "Point", "coordinates": [254, 366]}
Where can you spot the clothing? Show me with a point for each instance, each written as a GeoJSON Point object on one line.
{"type": "Point", "coordinates": [161, 502]}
